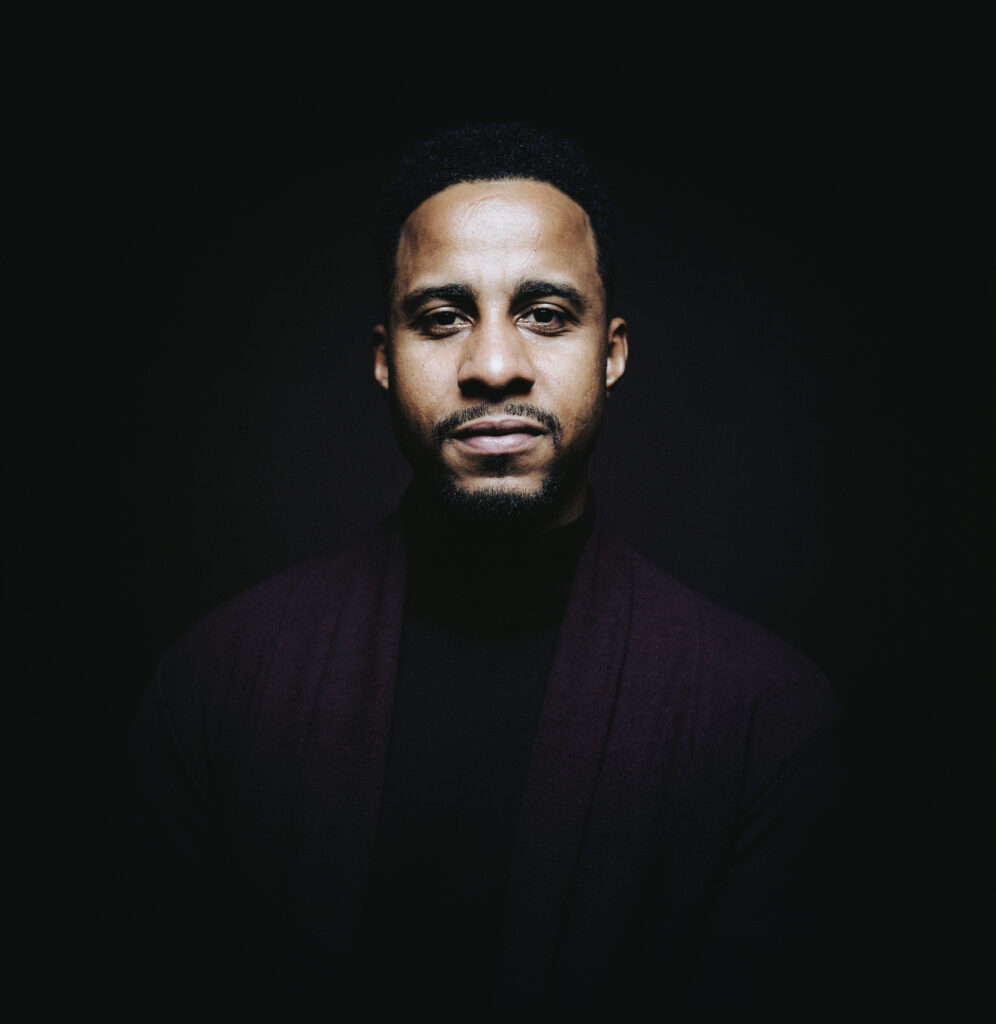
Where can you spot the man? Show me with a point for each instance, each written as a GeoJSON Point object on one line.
{"type": "Point", "coordinates": [488, 755]}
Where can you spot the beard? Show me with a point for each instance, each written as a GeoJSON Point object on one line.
{"type": "Point", "coordinates": [498, 506]}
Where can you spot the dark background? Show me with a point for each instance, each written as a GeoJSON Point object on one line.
{"type": "Point", "coordinates": [805, 260]}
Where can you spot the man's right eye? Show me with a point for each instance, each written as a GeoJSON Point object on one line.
{"type": "Point", "coordinates": [441, 321]}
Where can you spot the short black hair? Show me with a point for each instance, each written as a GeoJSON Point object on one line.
{"type": "Point", "coordinates": [490, 152]}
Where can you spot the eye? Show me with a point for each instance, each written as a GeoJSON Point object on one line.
{"type": "Point", "coordinates": [545, 319]}
{"type": "Point", "coordinates": [439, 322]}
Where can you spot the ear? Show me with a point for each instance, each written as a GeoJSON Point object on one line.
{"type": "Point", "coordinates": [381, 371]}
{"type": "Point", "coordinates": [616, 353]}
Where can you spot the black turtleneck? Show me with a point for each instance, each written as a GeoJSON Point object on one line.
{"type": "Point", "coordinates": [481, 622]}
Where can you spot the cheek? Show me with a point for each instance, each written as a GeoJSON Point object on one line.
{"type": "Point", "coordinates": [416, 390]}
{"type": "Point", "coordinates": [581, 391]}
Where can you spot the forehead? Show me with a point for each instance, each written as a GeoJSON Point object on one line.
{"type": "Point", "coordinates": [488, 230]}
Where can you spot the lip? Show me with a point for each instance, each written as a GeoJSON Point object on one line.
{"type": "Point", "coordinates": [498, 436]}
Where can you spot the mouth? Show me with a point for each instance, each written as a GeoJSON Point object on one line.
{"type": "Point", "coordinates": [503, 435]}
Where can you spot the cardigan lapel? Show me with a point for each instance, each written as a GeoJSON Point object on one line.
{"type": "Point", "coordinates": [343, 762]}
{"type": "Point", "coordinates": [563, 772]}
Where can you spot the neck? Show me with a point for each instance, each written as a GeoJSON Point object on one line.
{"type": "Point", "coordinates": [459, 573]}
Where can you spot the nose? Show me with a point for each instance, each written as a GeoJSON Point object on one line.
{"type": "Point", "coordinates": [495, 362]}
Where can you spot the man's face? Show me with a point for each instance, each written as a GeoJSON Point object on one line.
{"type": "Point", "coordinates": [497, 355]}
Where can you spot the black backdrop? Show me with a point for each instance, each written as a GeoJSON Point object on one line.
{"type": "Point", "coordinates": [805, 261]}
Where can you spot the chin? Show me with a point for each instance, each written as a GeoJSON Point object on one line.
{"type": "Point", "coordinates": [500, 501]}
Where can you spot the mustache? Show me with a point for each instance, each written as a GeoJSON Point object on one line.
{"type": "Point", "coordinates": [445, 427]}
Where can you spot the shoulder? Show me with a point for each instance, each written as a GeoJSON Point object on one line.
{"type": "Point", "coordinates": [241, 660]}
{"type": "Point", "coordinates": [317, 583]}
{"type": "Point", "coordinates": [728, 644]}
{"type": "Point", "coordinates": [666, 610]}
{"type": "Point", "coordinates": [233, 643]}
{"type": "Point", "coordinates": [733, 680]}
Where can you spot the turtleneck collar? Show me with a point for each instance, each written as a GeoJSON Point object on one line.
{"type": "Point", "coordinates": [485, 579]}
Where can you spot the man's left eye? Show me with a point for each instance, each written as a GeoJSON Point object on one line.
{"type": "Point", "coordinates": [545, 316]}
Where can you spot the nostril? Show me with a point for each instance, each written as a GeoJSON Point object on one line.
{"type": "Point", "coordinates": [479, 387]}
{"type": "Point", "coordinates": [495, 365]}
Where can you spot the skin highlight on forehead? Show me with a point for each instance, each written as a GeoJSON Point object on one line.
{"type": "Point", "coordinates": [440, 241]}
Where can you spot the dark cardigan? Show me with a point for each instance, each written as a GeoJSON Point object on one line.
{"type": "Point", "coordinates": [674, 828]}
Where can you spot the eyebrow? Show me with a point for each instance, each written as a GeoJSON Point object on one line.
{"type": "Point", "coordinates": [530, 290]}
{"type": "Point", "coordinates": [457, 293]}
